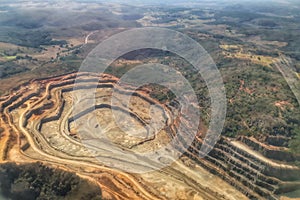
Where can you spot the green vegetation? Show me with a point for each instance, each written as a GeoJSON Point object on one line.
{"type": "Point", "coordinates": [27, 37]}
{"type": "Point", "coordinates": [253, 91]}
{"type": "Point", "coordinates": [243, 40]}
{"type": "Point", "coordinates": [295, 143]}
{"type": "Point", "coordinates": [270, 22]}
{"type": "Point", "coordinates": [10, 57]}
{"type": "Point", "coordinates": [36, 181]}
{"type": "Point", "coordinates": [252, 94]}
{"type": "Point", "coordinates": [10, 68]}
{"type": "Point", "coordinates": [161, 93]}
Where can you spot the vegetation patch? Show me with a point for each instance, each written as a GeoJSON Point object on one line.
{"type": "Point", "coordinates": [36, 181]}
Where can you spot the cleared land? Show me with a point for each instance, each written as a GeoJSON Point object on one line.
{"type": "Point", "coordinates": [37, 125]}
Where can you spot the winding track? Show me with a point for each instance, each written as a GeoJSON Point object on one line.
{"type": "Point", "coordinates": [39, 145]}
{"type": "Point", "coordinates": [36, 95]}
{"type": "Point", "coordinates": [63, 159]}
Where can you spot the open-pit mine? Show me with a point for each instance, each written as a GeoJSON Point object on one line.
{"type": "Point", "coordinates": [38, 124]}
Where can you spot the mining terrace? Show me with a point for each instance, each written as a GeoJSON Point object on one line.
{"type": "Point", "coordinates": [38, 124]}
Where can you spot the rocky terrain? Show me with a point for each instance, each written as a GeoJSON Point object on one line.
{"type": "Point", "coordinates": [38, 124]}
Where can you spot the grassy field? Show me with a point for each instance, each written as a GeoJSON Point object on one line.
{"type": "Point", "coordinates": [8, 58]}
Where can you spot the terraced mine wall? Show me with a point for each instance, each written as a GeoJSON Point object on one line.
{"type": "Point", "coordinates": [10, 101]}
{"type": "Point", "coordinates": [19, 103]}
{"type": "Point", "coordinates": [55, 116]}
{"type": "Point", "coordinates": [212, 165]}
{"type": "Point", "coordinates": [254, 177]}
{"type": "Point", "coordinates": [233, 165]}
{"type": "Point", "coordinates": [244, 171]}
{"type": "Point", "coordinates": [274, 154]}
